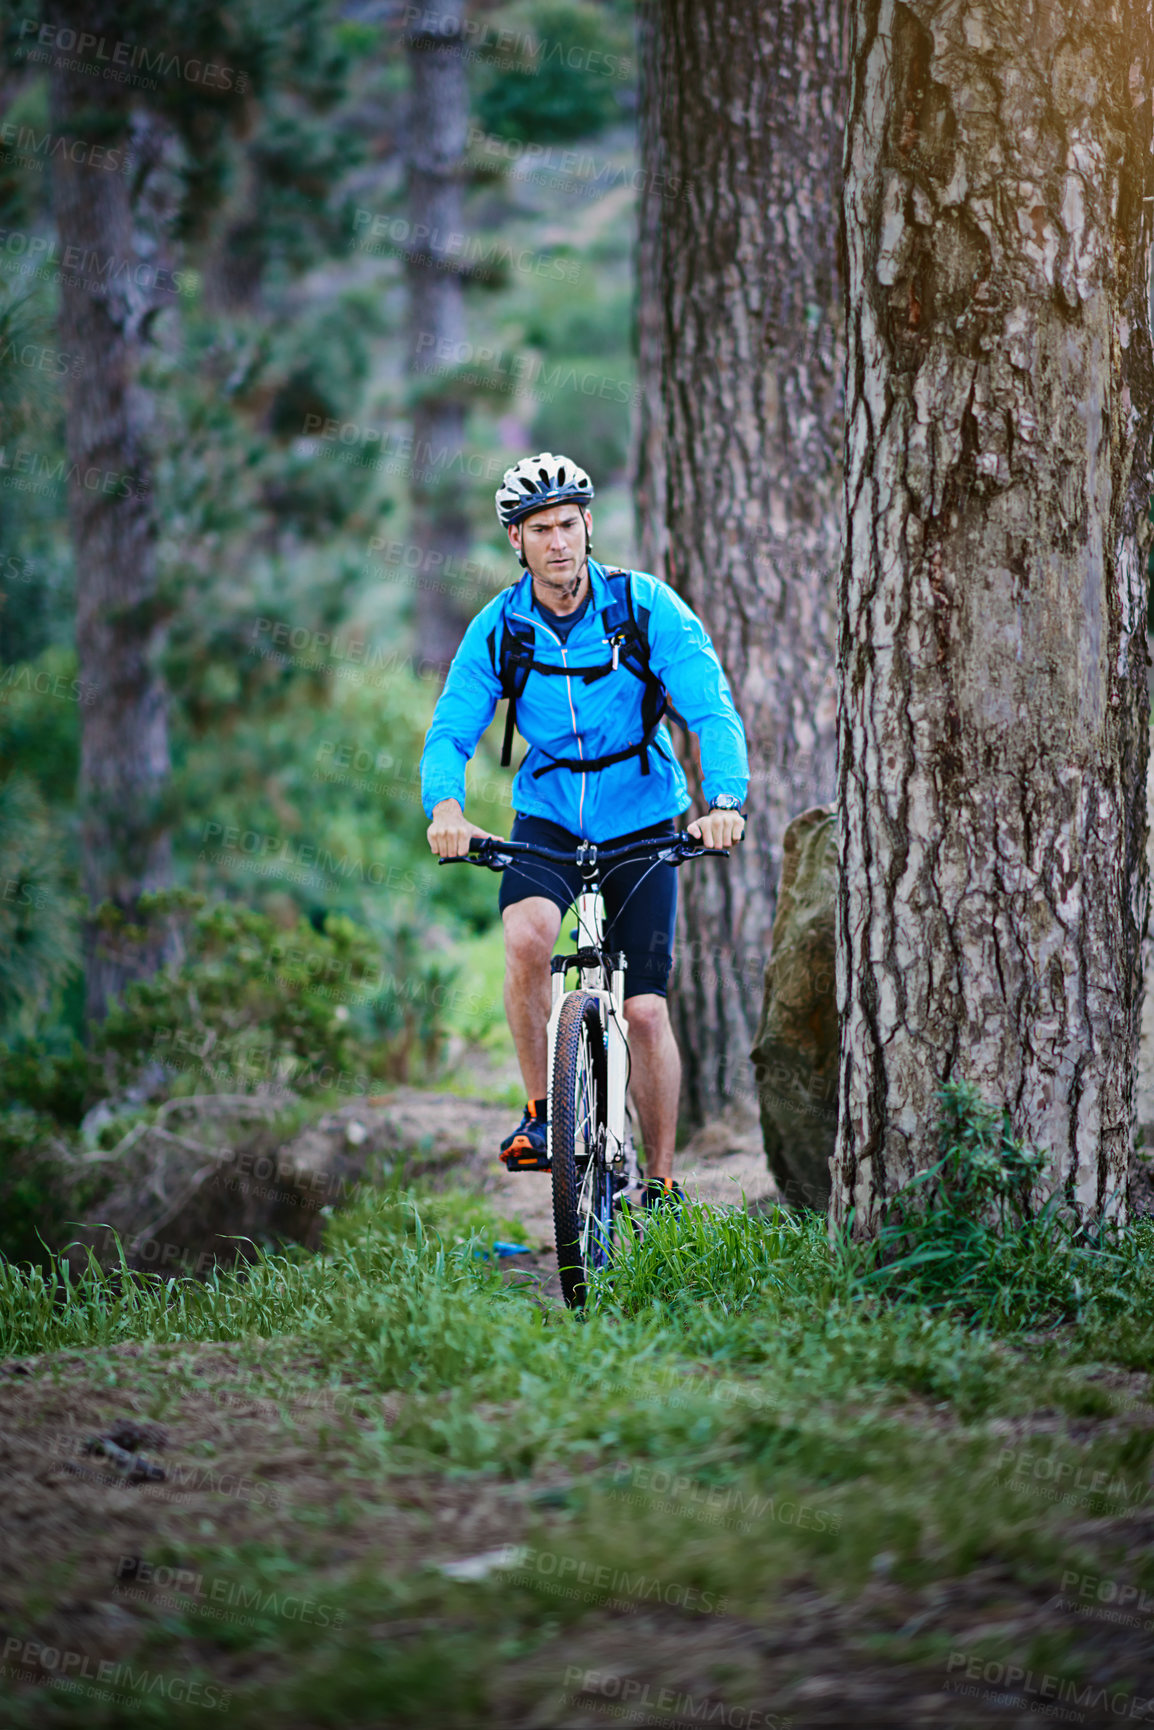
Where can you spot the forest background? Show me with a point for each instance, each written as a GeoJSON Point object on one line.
{"type": "Point", "coordinates": [284, 286]}
{"type": "Point", "coordinates": [284, 470]}
{"type": "Point", "coordinates": [279, 306]}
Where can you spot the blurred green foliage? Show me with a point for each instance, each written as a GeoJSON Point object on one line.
{"type": "Point", "coordinates": [42, 1192]}
{"type": "Point", "coordinates": [571, 64]}
{"type": "Point", "coordinates": [39, 947]}
{"type": "Point", "coordinates": [40, 701]}
{"type": "Point", "coordinates": [253, 1005]}
{"type": "Point", "coordinates": [296, 713]}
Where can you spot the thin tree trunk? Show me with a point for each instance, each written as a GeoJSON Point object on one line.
{"type": "Point", "coordinates": [994, 712]}
{"type": "Point", "coordinates": [124, 763]}
{"type": "Point", "coordinates": [437, 131]}
{"type": "Point", "coordinates": [648, 452]}
{"type": "Point", "coordinates": [742, 133]}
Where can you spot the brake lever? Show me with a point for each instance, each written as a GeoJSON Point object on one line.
{"type": "Point", "coordinates": [478, 853]}
{"type": "Point", "coordinates": [681, 855]}
{"type": "Point", "coordinates": [490, 861]}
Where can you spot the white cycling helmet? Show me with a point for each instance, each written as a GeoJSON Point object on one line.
{"type": "Point", "coordinates": [537, 482]}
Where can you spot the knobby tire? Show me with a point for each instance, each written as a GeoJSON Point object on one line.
{"type": "Point", "coordinates": [578, 1119]}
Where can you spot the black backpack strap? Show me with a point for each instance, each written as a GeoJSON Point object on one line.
{"type": "Point", "coordinates": [627, 631]}
{"type": "Point", "coordinates": [632, 640]}
{"type": "Point", "coordinates": [512, 663]}
{"type": "Point", "coordinates": [590, 765]}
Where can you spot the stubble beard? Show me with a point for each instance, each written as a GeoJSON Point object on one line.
{"type": "Point", "coordinates": [564, 588]}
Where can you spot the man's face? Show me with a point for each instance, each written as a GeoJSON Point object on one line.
{"type": "Point", "coordinates": [553, 542]}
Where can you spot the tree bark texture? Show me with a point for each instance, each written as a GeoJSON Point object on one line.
{"type": "Point", "coordinates": [124, 760]}
{"type": "Point", "coordinates": [993, 722]}
{"type": "Point", "coordinates": [1141, 1193]}
{"type": "Point", "coordinates": [743, 108]}
{"type": "Point", "coordinates": [435, 148]}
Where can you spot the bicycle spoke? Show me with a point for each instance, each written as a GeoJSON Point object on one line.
{"type": "Point", "coordinates": [580, 1180]}
{"type": "Point", "coordinates": [593, 1243]}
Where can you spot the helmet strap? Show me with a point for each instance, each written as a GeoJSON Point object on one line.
{"type": "Point", "coordinates": [584, 565]}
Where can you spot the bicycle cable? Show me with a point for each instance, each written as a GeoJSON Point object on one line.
{"type": "Point", "coordinates": [549, 871]}
{"type": "Point", "coordinates": [636, 886]}
{"type": "Point", "coordinates": [605, 876]}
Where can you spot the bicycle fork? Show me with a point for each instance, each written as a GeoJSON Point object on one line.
{"type": "Point", "coordinates": [617, 1076]}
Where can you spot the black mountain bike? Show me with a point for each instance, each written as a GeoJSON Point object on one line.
{"type": "Point", "coordinates": [591, 1152]}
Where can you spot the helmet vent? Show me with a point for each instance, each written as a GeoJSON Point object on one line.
{"type": "Point", "coordinates": [534, 483]}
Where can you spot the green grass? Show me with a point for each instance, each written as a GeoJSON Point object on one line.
{"type": "Point", "coordinates": [730, 1370]}
{"type": "Point", "coordinates": [403, 1296]}
{"type": "Point", "coordinates": [403, 1299]}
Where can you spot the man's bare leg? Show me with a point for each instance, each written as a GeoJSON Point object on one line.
{"type": "Point", "coordinates": [531, 928]}
{"type": "Point", "coordinates": [655, 1080]}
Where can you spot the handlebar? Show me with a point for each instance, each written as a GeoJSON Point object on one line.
{"type": "Point", "coordinates": [670, 850]}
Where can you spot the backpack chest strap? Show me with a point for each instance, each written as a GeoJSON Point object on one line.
{"type": "Point", "coordinates": [514, 658]}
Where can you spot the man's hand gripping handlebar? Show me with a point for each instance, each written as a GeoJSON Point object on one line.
{"type": "Point", "coordinates": [450, 832]}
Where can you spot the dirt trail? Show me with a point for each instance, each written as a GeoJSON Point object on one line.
{"type": "Point", "coordinates": [178, 1206]}
{"type": "Point", "coordinates": [724, 1164]}
{"type": "Point", "coordinates": [163, 1582]}
{"type": "Point", "coordinates": [281, 1503]}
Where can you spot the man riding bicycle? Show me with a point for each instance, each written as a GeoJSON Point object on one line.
{"type": "Point", "coordinates": [591, 658]}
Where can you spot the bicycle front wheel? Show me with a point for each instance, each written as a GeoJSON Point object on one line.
{"type": "Point", "coordinates": [582, 1182]}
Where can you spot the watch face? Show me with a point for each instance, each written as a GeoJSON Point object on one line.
{"type": "Point", "coordinates": [726, 802]}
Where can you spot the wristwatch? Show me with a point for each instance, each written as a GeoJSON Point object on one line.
{"type": "Point", "coordinates": [725, 802]}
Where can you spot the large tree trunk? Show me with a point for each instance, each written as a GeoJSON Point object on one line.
{"type": "Point", "coordinates": [742, 133]}
{"type": "Point", "coordinates": [435, 149]}
{"type": "Point", "coordinates": [1142, 1153]}
{"type": "Point", "coordinates": [124, 765]}
{"type": "Point", "coordinates": [994, 709]}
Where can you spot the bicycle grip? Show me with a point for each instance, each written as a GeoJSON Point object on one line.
{"type": "Point", "coordinates": [479, 846]}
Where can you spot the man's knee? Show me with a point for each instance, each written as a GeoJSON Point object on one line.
{"type": "Point", "coordinates": [647, 1015]}
{"type": "Point", "coordinates": [530, 933]}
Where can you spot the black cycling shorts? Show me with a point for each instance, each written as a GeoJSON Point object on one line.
{"type": "Point", "coordinates": [640, 897]}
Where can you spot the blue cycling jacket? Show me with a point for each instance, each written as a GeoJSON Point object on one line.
{"type": "Point", "coordinates": [561, 717]}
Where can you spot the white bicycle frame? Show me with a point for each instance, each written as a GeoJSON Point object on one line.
{"type": "Point", "coordinates": [620, 1153]}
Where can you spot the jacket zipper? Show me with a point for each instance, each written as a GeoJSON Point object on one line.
{"type": "Point", "coordinates": [572, 711]}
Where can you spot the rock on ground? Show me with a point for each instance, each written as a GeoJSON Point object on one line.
{"type": "Point", "coordinates": [795, 1055]}
{"type": "Point", "coordinates": [181, 1205]}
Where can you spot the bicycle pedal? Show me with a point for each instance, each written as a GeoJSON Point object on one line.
{"type": "Point", "coordinates": [525, 1159]}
